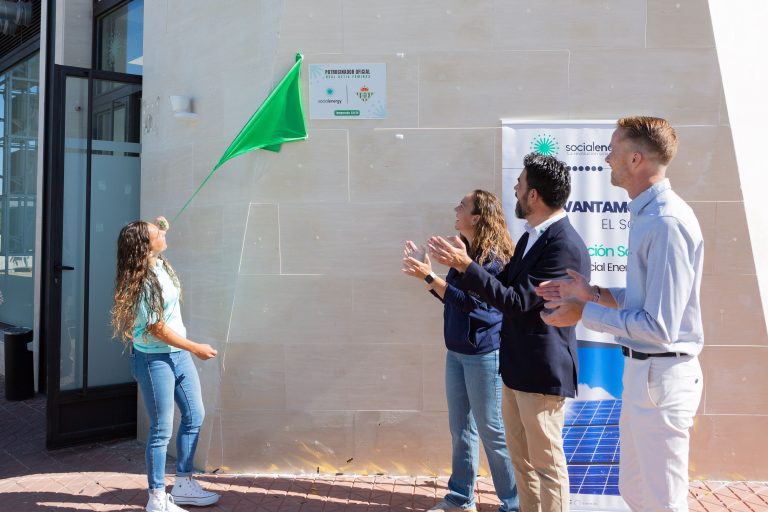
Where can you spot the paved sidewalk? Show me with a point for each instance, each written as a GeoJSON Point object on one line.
{"type": "Point", "coordinates": [110, 476]}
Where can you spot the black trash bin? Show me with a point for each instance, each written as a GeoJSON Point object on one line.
{"type": "Point", "coordinates": [19, 366]}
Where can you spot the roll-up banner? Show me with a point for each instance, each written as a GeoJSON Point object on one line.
{"type": "Point", "coordinates": [598, 211]}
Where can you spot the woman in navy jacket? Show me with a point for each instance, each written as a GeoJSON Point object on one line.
{"type": "Point", "coordinates": [471, 329]}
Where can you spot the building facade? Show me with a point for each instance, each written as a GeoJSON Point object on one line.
{"type": "Point", "coordinates": [330, 360]}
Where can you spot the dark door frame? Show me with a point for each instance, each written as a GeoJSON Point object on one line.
{"type": "Point", "coordinates": [89, 413]}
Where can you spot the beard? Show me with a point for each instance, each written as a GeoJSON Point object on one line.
{"type": "Point", "coordinates": [520, 211]}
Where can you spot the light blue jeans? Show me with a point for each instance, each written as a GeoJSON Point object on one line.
{"type": "Point", "coordinates": [473, 388]}
{"type": "Point", "coordinates": [163, 379]}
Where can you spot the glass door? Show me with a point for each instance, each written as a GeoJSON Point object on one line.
{"type": "Point", "coordinates": [94, 189]}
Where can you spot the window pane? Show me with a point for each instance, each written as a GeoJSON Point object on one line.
{"type": "Point", "coordinates": [73, 233]}
{"type": "Point", "coordinates": [121, 39]}
{"type": "Point", "coordinates": [19, 107]}
{"type": "Point", "coordinates": [115, 189]}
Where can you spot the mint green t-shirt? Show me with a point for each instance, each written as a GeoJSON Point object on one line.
{"type": "Point", "coordinates": [171, 316]}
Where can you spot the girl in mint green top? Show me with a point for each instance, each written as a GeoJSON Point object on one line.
{"type": "Point", "coordinates": [144, 340]}
{"type": "Point", "coordinates": [147, 309]}
{"type": "Point", "coordinates": [148, 314]}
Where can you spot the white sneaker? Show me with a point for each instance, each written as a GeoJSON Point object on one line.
{"type": "Point", "coordinates": [188, 492]}
{"type": "Point", "coordinates": [159, 501]}
{"type": "Point", "coordinates": [447, 506]}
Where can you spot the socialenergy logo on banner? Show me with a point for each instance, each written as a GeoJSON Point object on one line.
{"type": "Point", "coordinates": [545, 144]}
{"type": "Point", "coordinates": [588, 149]}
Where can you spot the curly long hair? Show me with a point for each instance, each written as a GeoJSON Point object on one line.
{"type": "Point", "coordinates": [492, 240]}
{"type": "Point", "coordinates": [136, 282]}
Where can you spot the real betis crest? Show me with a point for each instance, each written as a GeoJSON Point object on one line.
{"type": "Point", "coordinates": [364, 94]}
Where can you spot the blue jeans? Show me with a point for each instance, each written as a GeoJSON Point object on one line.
{"type": "Point", "coordinates": [473, 388]}
{"type": "Point", "coordinates": [163, 379]}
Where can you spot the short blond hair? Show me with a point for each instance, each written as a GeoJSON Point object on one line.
{"type": "Point", "coordinates": [654, 133]}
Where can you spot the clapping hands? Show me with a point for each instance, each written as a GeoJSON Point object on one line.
{"type": "Point", "coordinates": [451, 252]}
{"type": "Point", "coordinates": [573, 287]}
{"type": "Point", "coordinates": [565, 299]}
{"type": "Point", "coordinates": [416, 261]}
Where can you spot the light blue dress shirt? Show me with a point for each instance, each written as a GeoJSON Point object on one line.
{"type": "Point", "coordinates": [171, 316]}
{"type": "Point", "coordinates": [660, 308]}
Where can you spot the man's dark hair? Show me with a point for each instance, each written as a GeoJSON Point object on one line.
{"type": "Point", "coordinates": [549, 177]}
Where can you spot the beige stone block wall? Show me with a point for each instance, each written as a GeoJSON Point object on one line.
{"type": "Point", "coordinates": [330, 358]}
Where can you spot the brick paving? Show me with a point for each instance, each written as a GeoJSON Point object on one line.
{"type": "Point", "coordinates": [110, 476]}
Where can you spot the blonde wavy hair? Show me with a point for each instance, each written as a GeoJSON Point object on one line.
{"type": "Point", "coordinates": [136, 282]}
{"type": "Point", "coordinates": [492, 241]}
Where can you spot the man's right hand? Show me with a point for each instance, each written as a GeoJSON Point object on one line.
{"type": "Point", "coordinates": [204, 351]}
{"type": "Point", "coordinates": [573, 287]}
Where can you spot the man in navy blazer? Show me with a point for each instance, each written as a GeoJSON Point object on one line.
{"type": "Point", "coordinates": [537, 362]}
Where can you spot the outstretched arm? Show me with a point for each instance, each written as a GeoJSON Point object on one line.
{"type": "Point", "coordinates": [162, 332]}
{"type": "Point", "coordinates": [669, 282]}
{"type": "Point", "coordinates": [519, 297]}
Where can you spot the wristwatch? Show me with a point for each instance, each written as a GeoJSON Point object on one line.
{"type": "Point", "coordinates": [430, 277]}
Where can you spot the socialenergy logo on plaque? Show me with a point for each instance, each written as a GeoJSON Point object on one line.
{"type": "Point", "coordinates": [343, 91]}
{"type": "Point", "coordinates": [598, 211]}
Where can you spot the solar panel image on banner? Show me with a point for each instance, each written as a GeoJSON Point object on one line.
{"type": "Point", "coordinates": [592, 445]}
{"type": "Point", "coordinates": [602, 480]}
{"type": "Point", "coordinates": [591, 442]}
{"type": "Point", "coordinates": [593, 412]}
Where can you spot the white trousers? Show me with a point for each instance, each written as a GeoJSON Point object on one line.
{"type": "Point", "coordinates": [660, 399]}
